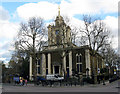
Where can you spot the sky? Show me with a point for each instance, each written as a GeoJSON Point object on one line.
{"type": "Point", "coordinates": [13, 12]}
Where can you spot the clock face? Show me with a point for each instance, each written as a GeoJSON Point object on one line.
{"type": "Point", "coordinates": [57, 32]}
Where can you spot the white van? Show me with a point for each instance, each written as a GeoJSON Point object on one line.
{"type": "Point", "coordinates": [54, 77]}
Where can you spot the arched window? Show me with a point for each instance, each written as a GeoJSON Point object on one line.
{"type": "Point", "coordinates": [79, 58]}
{"type": "Point", "coordinates": [78, 63]}
{"type": "Point", "coordinates": [57, 32]}
{"type": "Point", "coordinates": [38, 70]}
{"type": "Point", "coordinates": [57, 37]}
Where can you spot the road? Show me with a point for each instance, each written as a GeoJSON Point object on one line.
{"type": "Point", "coordinates": [109, 87]}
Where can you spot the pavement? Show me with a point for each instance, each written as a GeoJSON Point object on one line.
{"type": "Point", "coordinates": [0, 88]}
{"type": "Point", "coordinates": [109, 87]}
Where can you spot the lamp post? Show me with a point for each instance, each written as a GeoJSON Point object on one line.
{"type": "Point", "coordinates": [103, 76]}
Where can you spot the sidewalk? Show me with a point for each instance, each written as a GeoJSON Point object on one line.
{"type": "Point", "coordinates": [0, 85]}
{"type": "Point", "coordinates": [85, 85]}
{"type": "Point", "coordinates": [101, 84]}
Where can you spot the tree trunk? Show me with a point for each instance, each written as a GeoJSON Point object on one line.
{"type": "Point", "coordinates": [34, 61]}
{"type": "Point", "coordinates": [94, 70]}
{"type": "Point", "coordinates": [34, 69]}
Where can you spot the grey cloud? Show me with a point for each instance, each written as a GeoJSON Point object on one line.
{"type": "Point", "coordinates": [4, 14]}
{"type": "Point", "coordinates": [5, 46]}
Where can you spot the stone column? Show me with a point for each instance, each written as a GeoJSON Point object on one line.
{"type": "Point", "coordinates": [103, 63]}
{"type": "Point", "coordinates": [64, 63]}
{"type": "Point", "coordinates": [30, 68]}
{"type": "Point", "coordinates": [49, 63]}
{"type": "Point", "coordinates": [70, 63]}
{"type": "Point", "coordinates": [43, 65]}
{"type": "Point", "coordinates": [59, 70]}
{"type": "Point", "coordinates": [87, 60]}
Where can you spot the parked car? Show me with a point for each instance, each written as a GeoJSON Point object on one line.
{"type": "Point", "coordinates": [49, 79]}
{"type": "Point", "coordinates": [54, 77]}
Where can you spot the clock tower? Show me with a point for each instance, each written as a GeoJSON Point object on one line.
{"type": "Point", "coordinates": [59, 33]}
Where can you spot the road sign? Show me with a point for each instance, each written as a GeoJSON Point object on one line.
{"type": "Point", "coordinates": [98, 70]}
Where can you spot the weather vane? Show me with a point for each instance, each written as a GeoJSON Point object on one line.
{"type": "Point", "coordinates": [59, 10]}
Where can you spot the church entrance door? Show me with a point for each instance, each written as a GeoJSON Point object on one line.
{"type": "Point", "coordinates": [56, 69]}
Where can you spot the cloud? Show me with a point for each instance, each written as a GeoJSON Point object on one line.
{"type": "Point", "coordinates": [115, 43]}
{"type": "Point", "coordinates": [5, 53]}
{"type": "Point", "coordinates": [4, 14]}
{"type": "Point", "coordinates": [5, 49]}
{"type": "Point", "coordinates": [7, 32]}
{"type": "Point", "coordinates": [8, 29]}
{"type": "Point", "coordinates": [112, 24]}
{"type": "Point", "coordinates": [48, 10]}
{"type": "Point", "coordinates": [43, 9]}
{"type": "Point", "coordinates": [94, 6]}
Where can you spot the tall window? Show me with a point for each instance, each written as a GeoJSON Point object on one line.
{"type": "Point", "coordinates": [57, 37]}
{"type": "Point", "coordinates": [38, 70]}
{"type": "Point", "coordinates": [38, 61]}
{"type": "Point", "coordinates": [79, 58]}
{"type": "Point", "coordinates": [67, 59]}
{"type": "Point", "coordinates": [46, 63]}
{"type": "Point", "coordinates": [57, 32]}
{"type": "Point", "coordinates": [79, 67]}
{"type": "Point", "coordinates": [46, 71]}
{"type": "Point", "coordinates": [79, 62]}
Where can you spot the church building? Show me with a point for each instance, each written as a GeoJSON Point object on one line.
{"type": "Point", "coordinates": [63, 57]}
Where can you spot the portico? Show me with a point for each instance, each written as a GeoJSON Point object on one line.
{"type": "Point", "coordinates": [56, 65]}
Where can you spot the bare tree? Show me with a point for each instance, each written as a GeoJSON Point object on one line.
{"type": "Point", "coordinates": [30, 38]}
{"type": "Point", "coordinates": [111, 57]}
{"type": "Point", "coordinates": [95, 35]}
{"type": "Point", "coordinates": [74, 29]}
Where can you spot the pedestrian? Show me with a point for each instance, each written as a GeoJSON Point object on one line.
{"type": "Point", "coordinates": [98, 80]}
{"type": "Point", "coordinates": [26, 82]}
{"type": "Point", "coordinates": [21, 82]}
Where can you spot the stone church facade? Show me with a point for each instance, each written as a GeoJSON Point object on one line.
{"type": "Point", "coordinates": [63, 57]}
